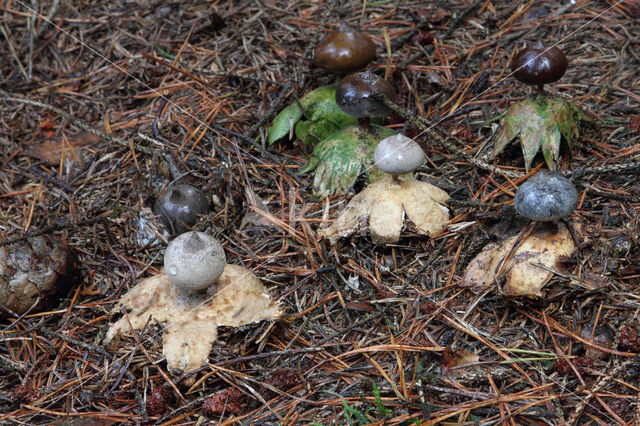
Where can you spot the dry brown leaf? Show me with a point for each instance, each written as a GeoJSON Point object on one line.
{"type": "Point", "coordinates": [458, 358]}
{"type": "Point", "coordinates": [50, 151]}
{"type": "Point", "coordinates": [384, 204]}
{"type": "Point", "coordinates": [546, 245]}
{"type": "Point", "coordinates": [460, 364]}
{"type": "Point", "coordinates": [192, 319]}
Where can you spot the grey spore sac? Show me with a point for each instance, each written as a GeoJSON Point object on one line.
{"type": "Point", "coordinates": [180, 206]}
{"type": "Point", "coordinates": [355, 95]}
{"type": "Point", "coordinates": [546, 196]}
{"type": "Point", "coordinates": [398, 154]}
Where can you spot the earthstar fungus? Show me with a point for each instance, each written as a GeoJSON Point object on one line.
{"type": "Point", "coordinates": [340, 158]}
{"type": "Point", "coordinates": [381, 207]}
{"type": "Point", "coordinates": [193, 312]}
{"type": "Point", "coordinates": [540, 121]}
{"type": "Point", "coordinates": [525, 263]}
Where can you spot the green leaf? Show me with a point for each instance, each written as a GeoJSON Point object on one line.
{"type": "Point", "coordinates": [165, 53]}
{"type": "Point", "coordinates": [283, 122]}
{"type": "Point", "coordinates": [341, 158]}
{"type": "Point", "coordinates": [349, 411]}
{"type": "Point", "coordinates": [322, 117]}
{"type": "Point", "coordinates": [382, 410]}
{"type": "Point", "coordinates": [541, 124]}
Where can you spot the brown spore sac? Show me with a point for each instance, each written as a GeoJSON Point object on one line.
{"type": "Point", "coordinates": [539, 65]}
{"type": "Point", "coordinates": [356, 95]}
{"type": "Point", "coordinates": [344, 51]}
{"type": "Point", "coordinates": [179, 207]}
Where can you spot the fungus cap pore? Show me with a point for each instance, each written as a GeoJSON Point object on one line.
{"type": "Point", "coordinates": [194, 261]}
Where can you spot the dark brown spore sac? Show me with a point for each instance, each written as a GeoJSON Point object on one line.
{"type": "Point", "coordinates": [179, 207]}
{"type": "Point", "coordinates": [344, 51]}
{"type": "Point", "coordinates": [539, 65]}
{"type": "Point", "coordinates": [356, 95]}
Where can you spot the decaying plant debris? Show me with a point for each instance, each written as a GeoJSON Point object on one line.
{"type": "Point", "coordinates": [183, 94]}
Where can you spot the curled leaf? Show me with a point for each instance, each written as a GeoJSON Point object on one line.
{"type": "Point", "coordinates": [382, 207]}
{"type": "Point", "coordinates": [541, 123]}
{"type": "Point", "coordinates": [341, 158]}
{"type": "Point", "coordinates": [520, 269]}
{"type": "Point", "coordinates": [322, 117]}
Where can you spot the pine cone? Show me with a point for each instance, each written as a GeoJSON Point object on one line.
{"type": "Point", "coordinates": [31, 271]}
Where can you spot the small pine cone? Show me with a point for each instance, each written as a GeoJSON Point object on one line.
{"type": "Point", "coordinates": [156, 403]}
{"type": "Point", "coordinates": [629, 339]}
{"type": "Point", "coordinates": [229, 402]}
{"type": "Point", "coordinates": [32, 269]}
{"type": "Point", "coordinates": [282, 379]}
{"type": "Point", "coordinates": [25, 394]}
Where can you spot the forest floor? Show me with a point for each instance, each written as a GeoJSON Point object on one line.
{"type": "Point", "coordinates": [106, 103]}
